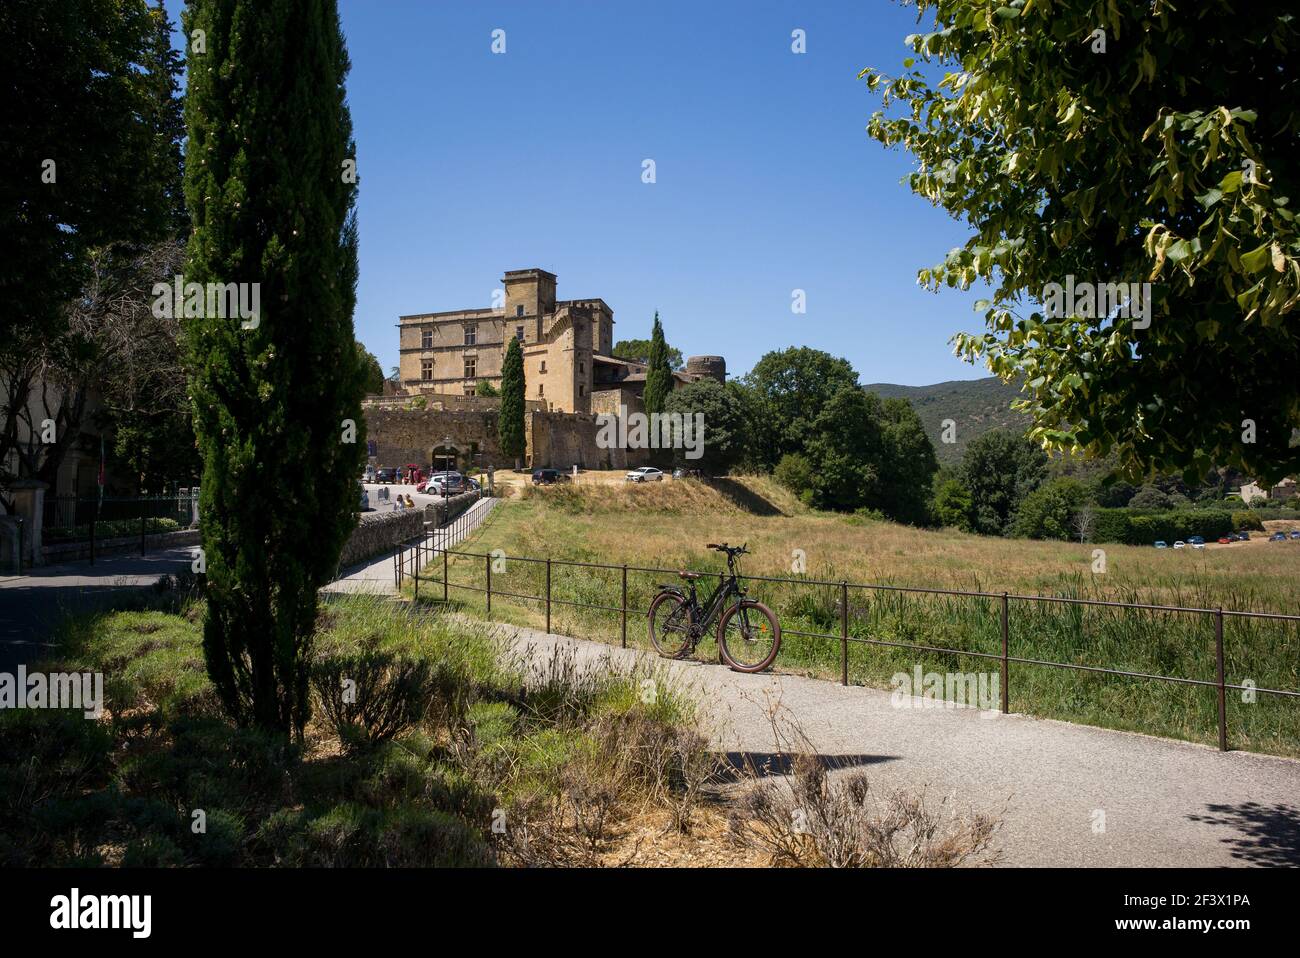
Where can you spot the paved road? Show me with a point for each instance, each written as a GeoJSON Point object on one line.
{"type": "Point", "coordinates": [1165, 803]}
{"type": "Point", "coordinates": [31, 606]}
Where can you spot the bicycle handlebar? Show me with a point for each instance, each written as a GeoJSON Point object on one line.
{"type": "Point", "coordinates": [730, 550]}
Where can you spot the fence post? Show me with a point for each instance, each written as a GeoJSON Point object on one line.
{"type": "Point", "coordinates": [417, 571]}
{"type": "Point", "coordinates": [487, 565]}
{"type": "Point", "coordinates": [624, 605]}
{"type": "Point", "coordinates": [444, 572]}
{"type": "Point", "coordinates": [142, 520]}
{"type": "Point", "coordinates": [1006, 671]}
{"type": "Point", "coordinates": [844, 633]}
{"type": "Point", "coordinates": [548, 594]}
{"type": "Point", "coordinates": [1218, 656]}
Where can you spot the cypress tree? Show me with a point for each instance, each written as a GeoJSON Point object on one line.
{"type": "Point", "coordinates": [277, 398]}
{"type": "Point", "coordinates": [510, 420]}
{"type": "Point", "coordinates": [659, 377]}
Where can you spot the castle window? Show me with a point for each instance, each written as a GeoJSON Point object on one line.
{"type": "Point", "coordinates": [471, 335]}
{"type": "Point", "coordinates": [543, 369]}
{"type": "Point", "coordinates": [580, 388]}
{"type": "Point", "coordinates": [519, 333]}
{"type": "Point", "coordinates": [541, 389]}
{"type": "Point", "coordinates": [426, 369]}
{"type": "Point", "coordinates": [519, 310]}
{"type": "Point", "coordinates": [469, 390]}
{"type": "Point", "coordinates": [582, 368]}
{"type": "Point", "coordinates": [426, 339]}
{"type": "Point", "coordinates": [470, 365]}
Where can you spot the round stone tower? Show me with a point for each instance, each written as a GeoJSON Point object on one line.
{"type": "Point", "coordinates": [713, 367]}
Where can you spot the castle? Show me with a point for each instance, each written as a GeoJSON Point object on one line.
{"type": "Point", "coordinates": [567, 347]}
{"type": "Point", "coordinates": [571, 379]}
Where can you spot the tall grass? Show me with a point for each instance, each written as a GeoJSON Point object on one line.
{"type": "Point", "coordinates": [648, 532]}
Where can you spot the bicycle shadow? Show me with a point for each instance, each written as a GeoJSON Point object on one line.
{"type": "Point", "coordinates": [1266, 835]}
{"type": "Point", "coordinates": [738, 766]}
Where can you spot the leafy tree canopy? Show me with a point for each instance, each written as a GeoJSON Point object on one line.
{"type": "Point", "coordinates": [638, 350]}
{"type": "Point", "coordinates": [1120, 143]}
{"type": "Point", "coordinates": [1000, 469]}
{"type": "Point", "coordinates": [723, 426]}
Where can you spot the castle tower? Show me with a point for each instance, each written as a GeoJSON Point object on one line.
{"type": "Point", "coordinates": [707, 367]}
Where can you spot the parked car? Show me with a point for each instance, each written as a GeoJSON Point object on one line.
{"type": "Point", "coordinates": [1180, 544]}
{"type": "Point", "coordinates": [544, 477]}
{"type": "Point", "coordinates": [645, 474]}
{"type": "Point", "coordinates": [386, 474]}
{"type": "Point", "coordinates": [1241, 536]}
{"type": "Point", "coordinates": [368, 475]}
{"type": "Point", "coordinates": [1161, 544]}
{"type": "Point", "coordinates": [1294, 534]}
{"type": "Point", "coordinates": [1226, 540]}
{"type": "Point", "coordinates": [445, 484]}
{"type": "Point", "coordinates": [1277, 537]}
{"type": "Point", "coordinates": [1196, 540]}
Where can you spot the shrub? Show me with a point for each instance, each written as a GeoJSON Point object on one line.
{"type": "Point", "coordinates": [1246, 519]}
{"type": "Point", "coordinates": [795, 472]}
{"type": "Point", "coordinates": [372, 695]}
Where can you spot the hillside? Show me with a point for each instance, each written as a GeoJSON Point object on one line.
{"type": "Point", "coordinates": [976, 405]}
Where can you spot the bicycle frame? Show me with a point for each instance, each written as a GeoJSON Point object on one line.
{"type": "Point", "coordinates": [703, 616]}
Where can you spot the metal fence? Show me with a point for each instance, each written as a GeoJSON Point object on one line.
{"type": "Point", "coordinates": [413, 561]}
{"type": "Point", "coordinates": [91, 519]}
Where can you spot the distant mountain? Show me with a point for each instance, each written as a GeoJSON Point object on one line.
{"type": "Point", "coordinates": [975, 405]}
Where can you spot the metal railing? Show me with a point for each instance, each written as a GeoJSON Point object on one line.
{"type": "Point", "coordinates": [69, 519]}
{"type": "Point", "coordinates": [411, 560]}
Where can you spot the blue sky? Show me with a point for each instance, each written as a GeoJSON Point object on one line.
{"type": "Point", "coordinates": [472, 163]}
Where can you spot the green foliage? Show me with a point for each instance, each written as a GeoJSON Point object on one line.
{"type": "Point", "coordinates": [952, 505]}
{"type": "Point", "coordinates": [1167, 158]}
{"type": "Point", "coordinates": [271, 397]}
{"type": "Point", "coordinates": [1000, 469]}
{"type": "Point", "coordinates": [638, 351]}
{"type": "Point", "coordinates": [1149, 497]}
{"type": "Point", "coordinates": [485, 388]}
{"type": "Point", "coordinates": [659, 375]}
{"type": "Point", "coordinates": [1047, 512]}
{"type": "Point", "coordinates": [789, 389]}
{"type": "Point", "coordinates": [372, 373]}
{"type": "Point", "coordinates": [907, 465]}
{"type": "Point", "coordinates": [510, 419]}
{"type": "Point", "coordinates": [1142, 529]}
{"type": "Point", "coordinates": [795, 472]}
{"type": "Point", "coordinates": [1245, 519]}
{"type": "Point", "coordinates": [723, 426]}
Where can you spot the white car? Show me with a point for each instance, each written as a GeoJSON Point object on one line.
{"type": "Point", "coordinates": [645, 474]}
{"type": "Point", "coordinates": [1180, 544]}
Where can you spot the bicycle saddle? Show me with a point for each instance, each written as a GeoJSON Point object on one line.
{"type": "Point", "coordinates": [690, 576]}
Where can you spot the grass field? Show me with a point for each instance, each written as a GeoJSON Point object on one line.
{"type": "Point", "coordinates": [667, 525]}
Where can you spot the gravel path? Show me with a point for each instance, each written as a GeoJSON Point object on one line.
{"type": "Point", "coordinates": [1068, 795]}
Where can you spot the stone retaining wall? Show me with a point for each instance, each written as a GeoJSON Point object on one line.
{"type": "Point", "coordinates": [377, 532]}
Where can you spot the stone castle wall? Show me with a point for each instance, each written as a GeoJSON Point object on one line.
{"type": "Point", "coordinates": [554, 439]}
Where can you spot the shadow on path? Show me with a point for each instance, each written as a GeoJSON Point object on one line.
{"type": "Point", "coordinates": [1266, 835]}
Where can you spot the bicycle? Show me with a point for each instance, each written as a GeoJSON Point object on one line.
{"type": "Point", "coordinates": [749, 634]}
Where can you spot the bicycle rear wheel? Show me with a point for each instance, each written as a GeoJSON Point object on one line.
{"type": "Point", "coordinates": [670, 622]}
{"type": "Point", "coordinates": [749, 636]}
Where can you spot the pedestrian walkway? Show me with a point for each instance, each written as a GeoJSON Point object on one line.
{"type": "Point", "coordinates": [32, 605]}
{"type": "Point", "coordinates": [376, 576]}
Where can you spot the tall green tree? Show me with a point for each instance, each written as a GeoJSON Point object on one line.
{"type": "Point", "coordinates": [77, 126]}
{"type": "Point", "coordinates": [659, 377]}
{"type": "Point", "coordinates": [999, 469]}
{"type": "Point", "coordinates": [908, 465]}
{"type": "Point", "coordinates": [373, 373]}
{"type": "Point", "coordinates": [510, 419]}
{"type": "Point", "coordinates": [789, 388]}
{"type": "Point", "coordinates": [720, 441]}
{"type": "Point", "coordinates": [1120, 143]}
{"type": "Point", "coordinates": [277, 395]}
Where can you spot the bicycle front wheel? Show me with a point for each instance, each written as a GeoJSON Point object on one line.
{"type": "Point", "coordinates": [749, 636]}
{"type": "Point", "coordinates": [670, 624]}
